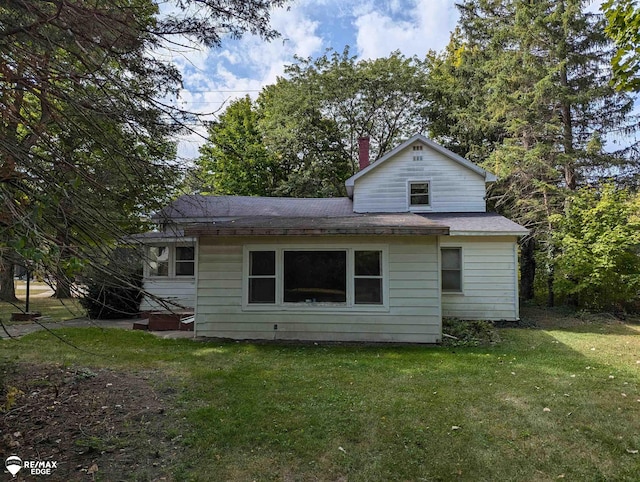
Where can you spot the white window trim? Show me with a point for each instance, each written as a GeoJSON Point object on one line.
{"type": "Point", "coordinates": [419, 208]}
{"type": "Point", "coordinates": [349, 306]}
{"type": "Point", "coordinates": [172, 261]}
{"type": "Point", "coordinates": [451, 246]}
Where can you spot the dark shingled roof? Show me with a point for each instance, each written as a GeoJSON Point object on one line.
{"type": "Point", "coordinates": [367, 224]}
{"type": "Point", "coordinates": [197, 208]}
{"type": "Point", "coordinates": [477, 223]}
{"type": "Point", "coordinates": [247, 215]}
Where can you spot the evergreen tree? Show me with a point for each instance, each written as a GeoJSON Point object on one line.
{"type": "Point", "coordinates": [539, 71]}
{"type": "Point", "coordinates": [86, 121]}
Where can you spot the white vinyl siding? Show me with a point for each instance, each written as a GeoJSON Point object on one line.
{"type": "Point", "coordinates": [178, 290]}
{"type": "Point", "coordinates": [181, 291]}
{"type": "Point", "coordinates": [489, 279]}
{"type": "Point", "coordinates": [452, 187]}
{"type": "Point", "coordinates": [412, 313]}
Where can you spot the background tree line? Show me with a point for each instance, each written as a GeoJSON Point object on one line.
{"type": "Point", "coordinates": [532, 91]}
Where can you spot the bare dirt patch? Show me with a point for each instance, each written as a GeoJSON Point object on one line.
{"type": "Point", "coordinates": [96, 424]}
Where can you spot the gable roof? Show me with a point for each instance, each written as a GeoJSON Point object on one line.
{"type": "Point", "coordinates": [489, 177]}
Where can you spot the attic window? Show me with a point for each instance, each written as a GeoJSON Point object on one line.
{"type": "Point", "coordinates": [417, 148]}
{"type": "Point", "coordinates": [419, 195]}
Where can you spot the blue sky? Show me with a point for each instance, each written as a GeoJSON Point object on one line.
{"type": "Point", "coordinates": [372, 29]}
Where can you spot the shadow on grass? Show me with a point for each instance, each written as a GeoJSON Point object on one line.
{"type": "Point", "coordinates": [566, 319]}
{"type": "Point", "coordinates": [530, 405]}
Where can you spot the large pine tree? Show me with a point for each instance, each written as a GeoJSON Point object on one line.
{"type": "Point", "coordinates": [538, 73]}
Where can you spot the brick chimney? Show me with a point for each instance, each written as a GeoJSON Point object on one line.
{"type": "Point", "coordinates": [363, 152]}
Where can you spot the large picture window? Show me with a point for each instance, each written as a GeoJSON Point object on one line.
{"type": "Point", "coordinates": [315, 277]}
{"type": "Point", "coordinates": [451, 259]}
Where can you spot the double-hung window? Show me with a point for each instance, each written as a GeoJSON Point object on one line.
{"type": "Point", "coordinates": [367, 283]}
{"type": "Point", "coordinates": [185, 260]}
{"type": "Point", "coordinates": [262, 277]}
{"type": "Point", "coordinates": [419, 194]}
{"type": "Point", "coordinates": [451, 262]}
{"type": "Point", "coordinates": [159, 261]}
{"type": "Point", "coordinates": [171, 261]}
{"type": "Point", "coordinates": [314, 277]}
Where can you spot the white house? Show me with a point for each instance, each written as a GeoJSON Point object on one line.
{"type": "Point", "coordinates": [412, 244]}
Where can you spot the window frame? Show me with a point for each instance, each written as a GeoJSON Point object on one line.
{"type": "Point", "coordinates": [348, 306]}
{"type": "Point", "coordinates": [419, 207]}
{"type": "Point", "coordinates": [461, 270]}
{"type": "Point", "coordinates": [171, 274]}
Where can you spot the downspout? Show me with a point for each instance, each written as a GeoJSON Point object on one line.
{"type": "Point", "coordinates": [196, 297]}
{"type": "Point", "coordinates": [516, 290]}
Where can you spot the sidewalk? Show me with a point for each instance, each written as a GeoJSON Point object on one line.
{"type": "Point", "coordinates": [18, 329]}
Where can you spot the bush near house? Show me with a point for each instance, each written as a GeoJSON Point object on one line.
{"type": "Point", "coordinates": [109, 298]}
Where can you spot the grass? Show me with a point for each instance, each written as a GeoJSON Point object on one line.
{"type": "Point", "coordinates": [540, 405]}
{"type": "Point", "coordinates": [41, 301]}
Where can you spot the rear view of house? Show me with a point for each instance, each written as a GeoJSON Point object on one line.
{"type": "Point", "coordinates": [412, 243]}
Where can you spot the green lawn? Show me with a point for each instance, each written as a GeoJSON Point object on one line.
{"type": "Point", "coordinates": [40, 300]}
{"type": "Point", "coordinates": [547, 404]}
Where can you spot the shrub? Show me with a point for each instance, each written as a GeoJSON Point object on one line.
{"type": "Point", "coordinates": [468, 333]}
{"type": "Point", "coordinates": [106, 299]}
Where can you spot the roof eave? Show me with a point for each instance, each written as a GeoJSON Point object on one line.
{"type": "Point", "coordinates": [488, 233]}
{"type": "Point", "coordinates": [298, 231]}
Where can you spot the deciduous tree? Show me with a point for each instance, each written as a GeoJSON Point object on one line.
{"type": "Point", "coordinates": [86, 117]}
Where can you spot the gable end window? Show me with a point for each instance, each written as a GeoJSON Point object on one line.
{"type": "Point", "coordinates": [451, 262]}
{"type": "Point", "coordinates": [419, 194]}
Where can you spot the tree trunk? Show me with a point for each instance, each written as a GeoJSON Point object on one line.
{"type": "Point", "coordinates": [63, 287]}
{"type": "Point", "coordinates": [7, 284]}
{"type": "Point", "coordinates": [527, 268]}
{"type": "Point", "coordinates": [551, 299]}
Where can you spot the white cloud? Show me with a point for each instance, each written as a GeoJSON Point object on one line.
{"type": "Point", "coordinates": [423, 26]}
{"type": "Point", "coordinates": [213, 78]}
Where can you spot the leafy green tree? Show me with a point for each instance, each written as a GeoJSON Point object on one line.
{"type": "Point", "coordinates": [234, 159]}
{"type": "Point", "coordinates": [598, 239]}
{"type": "Point", "coordinates": [312, 119]}
{"type": "Point", "coordinates": [623, 27]}
{"type": "Point", "coordinates": [86, 119]}
{"type": "Point", "coordinates": [538, 77]}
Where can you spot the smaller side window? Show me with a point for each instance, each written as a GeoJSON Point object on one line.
{"type": "Point", "coordinates": [159, 261]}
{"type": "Point", "coordinates": [262, 277]}
{"type": "Point", "coordinates": [419, 194]}
{"type": "Point", "coordinates": [451, 259]}
{"type": "Point", "coordinates": [185, 260]}
{"type": "Point", "coordinates": [368, 277]}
